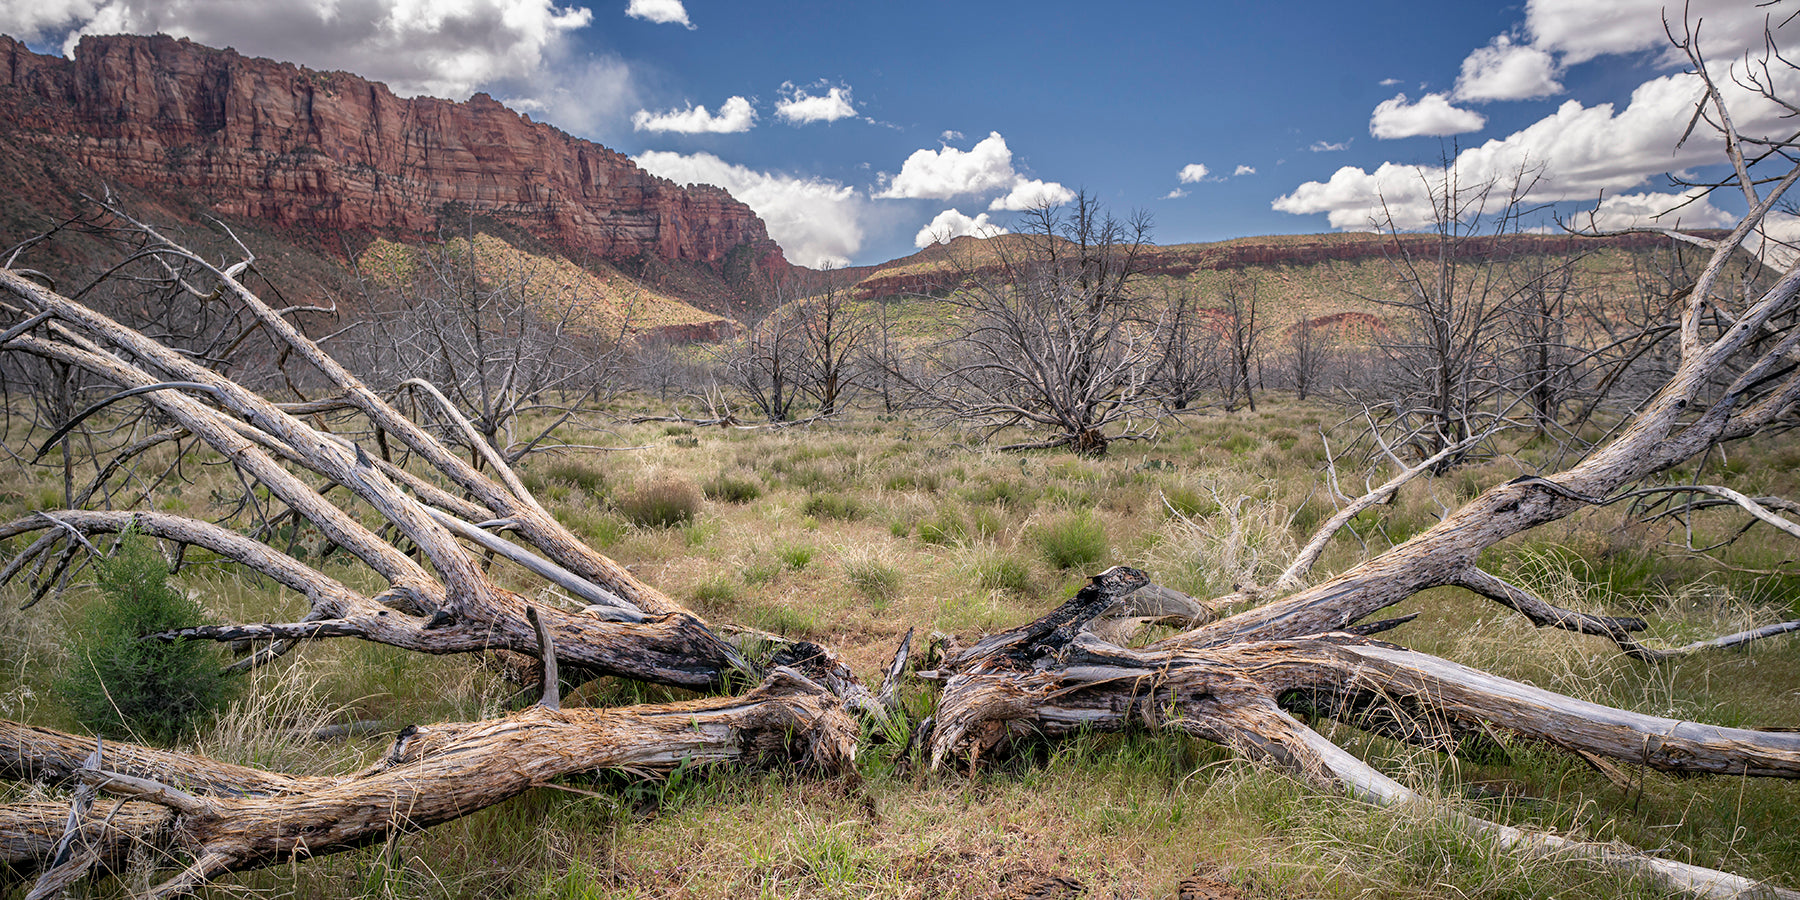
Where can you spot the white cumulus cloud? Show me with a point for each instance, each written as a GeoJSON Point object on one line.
{"type": "Point", "coordinates": [981, 170]}
{"type": "Point", "coordinates": [1030, 193]}
{"type": "Point", "coordinates": [1432, 116]}
{"type": "Point", "coordinates": [1504, 70]}
{"type": "Point", "coordinates": [798, 107]}
{"type": "Point", "coordinates": [584, 97]}
{"type": "Point", "coordinates": [662, 12]}
{"type": "Point", "coordinates": [1580, 30]}
{"type": "Point", "coordinates": [734, 116]}
{"type": "Point", "coordinates": [1653, 210]}
{"type": "Point", "coordinates": [444, 48]}
{"type": "Point", "coordinates": [1581, 151]}
{"type": "Point", "coordinates": [33, 20]}
{"type": "Point", "coordinates": [951, 223]}
{"type": "Point", "coordinates": [1328, 146]}
{"type": "Point", "coordinates": [1777, 241]}
{"type": "Point", "coordinates": [1175, 194]}
{"type": "Point", "coordinates": [1243, 170]}
{"type": "Point", "coordinates": [1191, 173]}
{"type": "Point", "coordinates": [816, 221]}
{"type": "Point", "coordinates": [949, 172]}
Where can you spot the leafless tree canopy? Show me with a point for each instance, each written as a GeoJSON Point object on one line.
{"type": "Point", "coordinates": [1057, 338]}
{"type": "Point", "coordinates": [498, 338]}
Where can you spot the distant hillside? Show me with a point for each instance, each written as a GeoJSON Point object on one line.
{"type": "Point", "coordinates": [603, 300]}
{"type": "Point", "coordinates": [1331, 279]}
{"type": "Point", "coordinates": [333, 160]}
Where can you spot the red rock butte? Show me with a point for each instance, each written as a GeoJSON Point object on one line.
{"type": "Point", "coordinates": [329, 152]}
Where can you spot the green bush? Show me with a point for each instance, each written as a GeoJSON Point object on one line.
{"type": "Point", "coordinates": [121, 686]}
{"type": "Point", "coordinates": [1073, 542]}
{"type": "Point", "coordinates": [727, 489]}
{"type": "Point", "coordinates": [661, 504]}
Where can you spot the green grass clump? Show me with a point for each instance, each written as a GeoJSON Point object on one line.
{"type": "Point", "coordinates": [1004, 573]}
{"type": "Point", "coordinates": [833, 506]}
{"type": "Point", "coordinates": [784, 620]}
{"type": "Point", "coordinates": [728, 489]}
{"type": "Point", "coordinates": [567, 472]}
{"type": "Point", "coordinates": [718, 590]}
{"type": "Point", "coordinates": [661, 504]}
{"type": "Point", "coordinates": [598, 528]}
{"type": "Point", "coordinates": [873, 578]}
{"type": "Point", "coordinates": [121, 686]}
{"type": "Point", "coordinates": [795, 556]}
{"type": "Point", "coordinates": [944, 529]}
{"type": "Point", "coordinates": [1188, 503]}
{"type": "Point", "coordinates": [1076, 541]}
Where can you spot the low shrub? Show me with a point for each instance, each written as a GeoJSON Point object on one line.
{"type": "Point", "coordinates": [661, 504]}
{"type": "Point", "coordinates": [121, 686]}
{"type": "Point", "coordinates": [569, 471]}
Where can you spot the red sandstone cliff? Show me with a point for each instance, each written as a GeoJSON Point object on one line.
{"type": "Point", "coordinates": [330, 152]}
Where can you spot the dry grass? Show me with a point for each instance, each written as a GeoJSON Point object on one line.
{"type": "Point", "coordinates": [946, 538]}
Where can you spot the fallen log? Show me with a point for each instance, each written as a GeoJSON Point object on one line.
{"type": "Point", "coordinates": [226, 818]}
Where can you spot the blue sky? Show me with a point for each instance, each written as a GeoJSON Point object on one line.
{"type": "Point", "coordinates": [862, 129]}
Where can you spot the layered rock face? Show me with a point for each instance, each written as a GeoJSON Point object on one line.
{"type": "Point", "coordinates": [329, 152]}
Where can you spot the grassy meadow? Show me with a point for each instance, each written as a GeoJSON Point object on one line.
{"type": "Point", "coordinates": [851, 532]}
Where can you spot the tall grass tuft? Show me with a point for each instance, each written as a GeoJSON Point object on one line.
{"type": "Point", "coordinates": [661, 504]}
{"type": "Point", "coordinates": [1004, 572]}
{"type": "Point", "coordinates": [731, 489]}
{"type": "Point", "coordinates": [1075, 541]}
{"type": "Point", "coordinates": [833, 506]}
{"type": "Point", "coordinates": [873, 578]}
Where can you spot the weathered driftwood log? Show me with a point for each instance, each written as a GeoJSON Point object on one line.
{"type": "Point", "coordinates": [228, 818]}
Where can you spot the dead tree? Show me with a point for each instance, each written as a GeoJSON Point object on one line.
{"type": "Point", "coordinates": [1054, 335]}
{"type": "Point", "coordinates": [1190, 352]}
{"type": "Point", "coordinates": [503, 339]}
{"type": "Point", "coordinates": [767, 365]}
{"type": "Point", "coordinates": [1309, 350]}
{"type": "Point", "coordinates": [225, 818]}
{"type": "Point", "coordinates": [1245, 680]}
{"type": "Point", "coordinates": [833, 331]}
{"type": "Point", "coordinates": [1243, 337]}
{"type": "Point", "coordinates": [1441, 384]}
{"type": "Point", "coordinates": [448, 529]}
